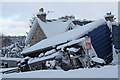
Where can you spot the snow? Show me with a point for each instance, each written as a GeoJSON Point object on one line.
{"type": "Point", "coordinates": [43, 58]}
{"type": "Point", "coordinates": [41, 55]}
{"type": "Point", "coordinates": [26, 58]}
{"type": "Point", "coordinates": [71, 56]}
{"type": "Point", "coordinates": [23, 60]}
{"type": "Point", "coordinates": [108, 15]}
{"type": "Point", "coordinates": [109, 24]}
{"type": "Point", "coordinates": [8, 58]}
{"type": "Point", "coordinates": [115, 23]}
{"type": "Point", "coordinates": [72, 49]}
{"type": "Point", "coordinates": [6, 69]}
{"type": "Point", "coordinates": [53, 28]}
{"type": "Point", "coordinates": [71, 42]}
{"type": "Point", "coordinates": [59, 56]}
{"type": "Point", "coordinates": [103, 72]}
{"type": "Point", "coordinates": [14, 50]}
{"type": "Point", "coordinates": [98, 60]}
{"type": "Point", "coordinates": [71, 25]}
{"type": "Point", "coordinates": [66, 36]}
{"type": "Point", "coordinates": [31, 32]}
{"type": "Point", "coordinates": [49, 28]}
{"type": "Point", "coordinates": [39, 13]}
{"type": "Point", "coordinates": [92, 52]}
{"type": "Point", "coordinates": [115, 57]}
{"type": "Point", "coordinates": [50, 64]}
{"type": "Point", "coordinates": [12, 45]}
{"type": "Point", "coordinates": [47, 63]}
{"type": "Point", "coordinates": [49, 52]}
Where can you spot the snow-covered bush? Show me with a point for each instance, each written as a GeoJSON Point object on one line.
{"type": "Point", "coordinates": [13, 50]}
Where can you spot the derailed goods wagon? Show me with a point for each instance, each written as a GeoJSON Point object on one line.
{"type": "Point", "coordinates": [100, 39]}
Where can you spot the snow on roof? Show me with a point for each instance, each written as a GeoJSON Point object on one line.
{"type": "Point", "coordinates": [31, 32]}
{"type": "Point", "coordinates": [49, 28]}
{"type": "Point", "coordinates": [66, 36]}
{"type": "Point", "coordinates": [53, 28]}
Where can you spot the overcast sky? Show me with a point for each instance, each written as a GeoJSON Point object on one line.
{"type": "Point", "coordinates": [16, 15]}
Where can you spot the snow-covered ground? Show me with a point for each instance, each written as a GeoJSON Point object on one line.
{"type": "Point", "coordinates": [103, 72]}
{"type": "Point", "coordinates": [6, 69]}
{"type": "Point", "coordinates": [9, 58]}
{"type": "Point", "coordinates": [115, 57]}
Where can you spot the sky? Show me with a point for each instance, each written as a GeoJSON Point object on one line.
{"type": "Point", "coordinates": [16, 16]}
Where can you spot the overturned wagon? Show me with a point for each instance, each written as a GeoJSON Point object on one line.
{"type": "Point", "coordinates": [71, 55]}
{"type": "Point", "coordinates": [97, 30]}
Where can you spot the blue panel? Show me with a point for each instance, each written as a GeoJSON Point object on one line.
{"type": "Point", "coordinates": [116, 29]}
{"type": "Point", "coordinates": [101, 41]}
{"type": "Point", "coordinates": [116, 36]}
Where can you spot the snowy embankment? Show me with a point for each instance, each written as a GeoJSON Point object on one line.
{"type": "Point", "coordinates": [104, 72]}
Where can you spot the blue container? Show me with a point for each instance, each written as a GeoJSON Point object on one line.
{"type": "Point", "coordinates": [116, 36]}
{"type": "Point", "coordinates": [101, 42]}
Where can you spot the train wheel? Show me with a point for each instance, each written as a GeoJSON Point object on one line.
{"type": "Point", "coordinates": [65, 66]}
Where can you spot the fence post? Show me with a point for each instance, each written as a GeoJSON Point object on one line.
{"type": "Point", "coordinates": [88, 47]}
